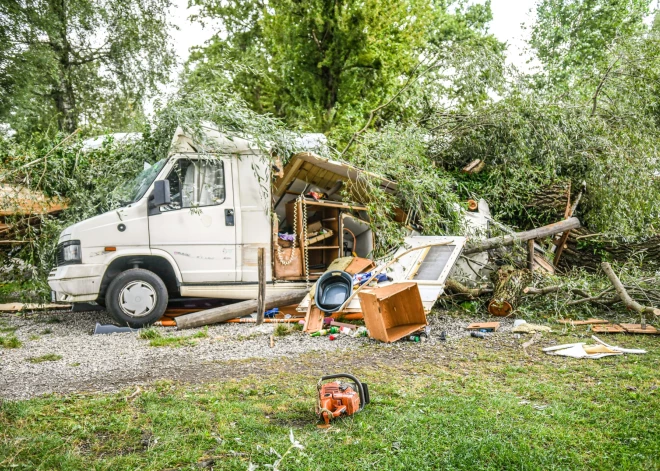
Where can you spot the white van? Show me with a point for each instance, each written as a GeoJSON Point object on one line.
{"type": "Point", "coordinates": [194, 225]}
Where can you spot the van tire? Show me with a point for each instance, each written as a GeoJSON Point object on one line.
{"type": "Point", "coordinates": [136, 298]}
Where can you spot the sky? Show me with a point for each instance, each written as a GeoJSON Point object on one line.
{"type": "Point", "coordinates": [506, 26]}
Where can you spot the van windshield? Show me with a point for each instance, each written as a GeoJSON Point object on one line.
{"type": "Point", "coordinates": [135, 189]}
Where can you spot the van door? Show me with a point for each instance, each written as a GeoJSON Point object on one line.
{"type": "Point", "coordinates": [197, 228]}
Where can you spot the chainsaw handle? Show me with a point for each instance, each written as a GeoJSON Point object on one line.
{"type": "Point", "coordinates": [352, 378]}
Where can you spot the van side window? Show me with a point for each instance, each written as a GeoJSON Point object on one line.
{"type": "Point", "coordinates": [195, 183]}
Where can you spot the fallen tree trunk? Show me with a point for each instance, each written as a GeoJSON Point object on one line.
{"type": "Point", "coordinates": [588, 250]}
{"type": "Point", "coordinates": [458, 288]}
{"type": "Point", "coordinates": [550, 201]}
{"type": "Point", "coordinates": [538, 233]}
{"type": "Point", "coordinates": [509, 288]}
{"type": "Point", "coordinates": [244, 308]}
{"type": "Point", "coordinates": [623, 294]}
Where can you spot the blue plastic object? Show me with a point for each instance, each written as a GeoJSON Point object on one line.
{"type": "Point", "coordinates": [271, 313]}
{"type": "Point", "coordinates": [361, 278]}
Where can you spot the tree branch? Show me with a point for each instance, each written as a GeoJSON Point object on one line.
{"type": "Point", "coordinates": [412, 79]}
{"type": "Point", "coordinates": [600, 86]}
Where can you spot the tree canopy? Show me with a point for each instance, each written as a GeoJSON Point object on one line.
{"type": "Point", "coordinates": [323, 65]}
{"type": "Point", "coordinates": [64, 63]}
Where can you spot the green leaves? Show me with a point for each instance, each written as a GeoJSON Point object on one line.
{"type": "Point", "coordinates": [323, 65]}
{"type": "Point", "coordinates": [80, 62]}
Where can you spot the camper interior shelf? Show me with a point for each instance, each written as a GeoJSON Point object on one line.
{"type": "Point", "coordinates": [321, 232]}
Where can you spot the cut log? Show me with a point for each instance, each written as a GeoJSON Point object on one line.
{"type": "Point", "coordinates": [244, 308]}
{"type": "Point", "coordinates": [508, 290]}
{"type": "Point", "coordinates": [538, 233]}
{"type": "Point", "coordinates": [475, 166]}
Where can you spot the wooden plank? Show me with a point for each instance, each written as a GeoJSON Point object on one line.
{"type": "Point", "coordinates": [359, 265]}
{"type": "Point", "coordinates": [542, 264]}
{"type": "Point", "coordinates": [637, 329]}
{"type": "Point", "coordinates": [261, 295]}
{"type": "Point", "coordinates": [313, 319]}
{"type": "Point", "coordinates": [334, 204]}
{"type": "Point", "coordinates": [319, 238]}
{"type": "Point", "coordinates": [608, 329]}
{"type": "Point", "coordinates": [290, 172]}
{"type": "Point", "coordinates": [561, 245]}
{"type": "Point", "coordinates": [587, 322]}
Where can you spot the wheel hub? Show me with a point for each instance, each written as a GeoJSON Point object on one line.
{"type": "Point", "coordinates": [137, 298]}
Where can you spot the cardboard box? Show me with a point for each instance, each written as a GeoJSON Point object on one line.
{"type": "Point", "coordinates": [393, 312]}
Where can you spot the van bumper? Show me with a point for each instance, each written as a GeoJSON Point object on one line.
{"type": "Point", "coordinates": [76, 283]}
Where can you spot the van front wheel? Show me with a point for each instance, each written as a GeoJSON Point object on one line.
{"type": "Point", "coordinates": [136, 298]}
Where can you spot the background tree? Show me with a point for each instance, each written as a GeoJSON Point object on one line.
{"type": "Point", "coordinates": [322, 65]}
{"type": "Point", "coordinates": [571, 37]}
{"type": "Point", "coordinates": [80, 61]}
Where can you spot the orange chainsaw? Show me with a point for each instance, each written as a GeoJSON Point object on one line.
{"type": "Point", "coordinates": [340, 398]}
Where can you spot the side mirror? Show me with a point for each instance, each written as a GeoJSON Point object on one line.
{"type": "Point", "coordinates": [159, 196]}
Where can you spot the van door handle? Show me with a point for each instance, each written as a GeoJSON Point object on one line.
{"type": "Point", "coordinates": [229, 217]}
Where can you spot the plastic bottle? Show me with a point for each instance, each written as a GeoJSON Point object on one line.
{"type": "Point", "coordinates": [479, 335]}
{"type": "Point", "coordinates": [319, 333]}
{"type": "Point", "coordinates": [361, 332]}
{"type": "Point", "coordinates": [413, 338]}
{"type": "Point", "coordinates": [333, 330]}
{"type": "Point", "coordinates": [333, 337]}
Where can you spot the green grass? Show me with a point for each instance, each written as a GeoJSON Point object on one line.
{"type": "Point", "coordinates": [471, 406]}
{"type": "Point", "coordinates": [149, 333]}
{"type": "Point", "coordinates": [156, 339]}
{"type": "Point", "coordinates": [8, 329]}
{"type": "Point", "coordinates": [43, 358]}
{"type": "Point", "coordinates": [282, 330]}
{"type": "Point", "coordinates": [10, 341]}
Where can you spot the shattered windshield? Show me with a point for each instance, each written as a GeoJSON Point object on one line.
{"type": "Point", "coordinates": [134, 190]}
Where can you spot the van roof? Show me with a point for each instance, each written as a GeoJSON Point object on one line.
{"type": "Point", "coordinates": [221, 143]}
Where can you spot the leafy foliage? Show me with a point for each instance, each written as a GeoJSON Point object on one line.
{"type": "Point", "coordinates": [425, 193]}
{"type": "Point", "coordinates": [65, 63]}
{"type": "Point", "coordinates": [322, 65]}
{"type": "Point", "coordinates": [527, 144]}
{"type": "Point", "coordinates": [578, 35]}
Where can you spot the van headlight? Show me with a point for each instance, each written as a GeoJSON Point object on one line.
{"type": "Point", "coordinates": [69, 253]}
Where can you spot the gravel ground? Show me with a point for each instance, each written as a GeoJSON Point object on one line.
{"type": "Point", "coordinates": [111, 362]}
